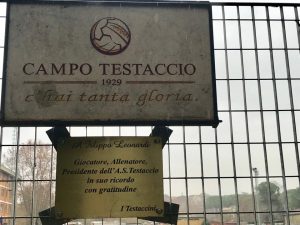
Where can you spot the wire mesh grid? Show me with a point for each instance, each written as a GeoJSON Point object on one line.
{"type": "Point", "coordinates": [244, 172]}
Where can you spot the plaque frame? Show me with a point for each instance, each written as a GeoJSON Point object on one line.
{"type": "Point", "coordinates": [122, 122]}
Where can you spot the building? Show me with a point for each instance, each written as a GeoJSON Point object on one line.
{"type": "Point", "coordinates": [6, 193]}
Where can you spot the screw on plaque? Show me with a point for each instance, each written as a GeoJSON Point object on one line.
{"type": "Point", "coordinates": [159, 211]}
{"type": "Point", "coordinates": [157, 141]}
{"type": "Point", "coordinates": [59, 214]}
{"type": "Point", "coordinates": [61, 142]}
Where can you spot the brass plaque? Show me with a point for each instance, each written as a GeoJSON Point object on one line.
{"type": "Point", "coordinates": [109, 177]}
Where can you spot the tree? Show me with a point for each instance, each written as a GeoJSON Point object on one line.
{"type": "Point", "coordinates": [34, 171]}
{"type": "Point", "coordinates": [213, 203]}
{"type": "Point", "coordinates": [294, 198]}
{"type": "Point", "coordinates": [205, 223]}
{"type": "Point", "coordinates": [267, 191]}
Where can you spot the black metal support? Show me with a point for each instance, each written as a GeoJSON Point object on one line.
{"type": "Point", "coordinates": [163, 132]}
{"type": "Point", "coordinates": [170, 209]}
{"type": "Point", "coordinates": [170, 214]}
{"type": "Point", "coordinates": [58, 134]}
{"type": "Point", "coordinates": [48, 217]}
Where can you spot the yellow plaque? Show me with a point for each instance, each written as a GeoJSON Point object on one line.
{"type": "Point", "coordinates": [109, 177]}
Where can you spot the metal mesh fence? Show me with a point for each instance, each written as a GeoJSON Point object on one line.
{"type": "Point", "coordinates": [244, 172]}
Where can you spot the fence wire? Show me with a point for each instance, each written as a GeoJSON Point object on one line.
{"type": "Point", "coordinates": [244, 172]}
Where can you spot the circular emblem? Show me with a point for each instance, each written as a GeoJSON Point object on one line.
{"type": "Point", "coordinates": [110, 36]}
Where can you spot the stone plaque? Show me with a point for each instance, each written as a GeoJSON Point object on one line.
{"type": "Point", "coordinates": [99, 63]}
{"type": "Point", "coordinates": [109, 177]}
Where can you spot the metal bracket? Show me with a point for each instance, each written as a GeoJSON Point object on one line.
{"type": "Point", "coordinates": [48, 217]}
{"type": "Point", "coordinates": [57, 135]}
{"type": "Point", "coordinates": [163, 132]}
{"type": "Point", "coordinates": [170, 214]}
